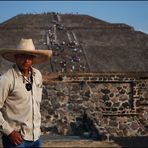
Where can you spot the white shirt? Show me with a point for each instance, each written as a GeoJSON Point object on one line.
{"type": "Point", "coordinates": [19, 108]}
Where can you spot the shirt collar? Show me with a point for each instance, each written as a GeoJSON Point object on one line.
{"type": "Point", "coordinates": [19, 72]}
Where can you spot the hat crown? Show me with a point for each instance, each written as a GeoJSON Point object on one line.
{"type": "Point", "coordinates": [26, 44]}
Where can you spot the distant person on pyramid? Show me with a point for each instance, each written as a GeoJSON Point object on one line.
{"type": "Point", "coordinates": [20, 96]}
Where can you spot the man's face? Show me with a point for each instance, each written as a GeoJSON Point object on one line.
{"type": "Point", "coordinates": [24, 61]}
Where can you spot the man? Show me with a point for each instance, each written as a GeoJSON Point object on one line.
{"type": "Point", "coordinates": [20, 96]}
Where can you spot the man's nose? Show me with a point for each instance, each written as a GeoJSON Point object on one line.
{"type": "Point", "coordinates": [27, 59]}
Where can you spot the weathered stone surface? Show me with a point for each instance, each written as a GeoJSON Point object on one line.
{"type": "Point", "coordinates": [84, 109]}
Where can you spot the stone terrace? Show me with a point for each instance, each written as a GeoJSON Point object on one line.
{"type": "Point", "coordinates": [95, 106]}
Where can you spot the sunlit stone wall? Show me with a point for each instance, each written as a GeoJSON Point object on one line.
{"type": "Point", "coordinates": [95, 104]}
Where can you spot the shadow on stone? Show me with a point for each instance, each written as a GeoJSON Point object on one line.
{"type": "Point", "coordinates": [85, 128]}
{"type": "Point", "coordinates": [139, 141]}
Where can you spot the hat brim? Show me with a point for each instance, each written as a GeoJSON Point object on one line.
{"type": "Point", "coordinates": [39, 55]}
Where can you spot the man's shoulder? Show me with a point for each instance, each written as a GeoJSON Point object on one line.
{"type": "Point", "coordinates": [7, 74]}
{"type": "Point", "coordinates": [36, 71]}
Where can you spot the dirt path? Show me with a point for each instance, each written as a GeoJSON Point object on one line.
{"type": "Point", "coordinates": [80, 143]}
{"type": "Point", "coordinates": [72, 141]}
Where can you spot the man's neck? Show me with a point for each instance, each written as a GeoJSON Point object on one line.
{"type": "Point", "coordinates": [25, 72]}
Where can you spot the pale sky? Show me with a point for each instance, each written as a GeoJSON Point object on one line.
{"type": "Point", "coordinates": [133, 13]}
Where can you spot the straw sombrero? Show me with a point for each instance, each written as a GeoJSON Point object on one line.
{"type": "Point", "coordinates": [26, 46]}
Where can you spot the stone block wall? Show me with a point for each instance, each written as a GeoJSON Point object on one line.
{"type": "Point", "coordinates": [95, 105]}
